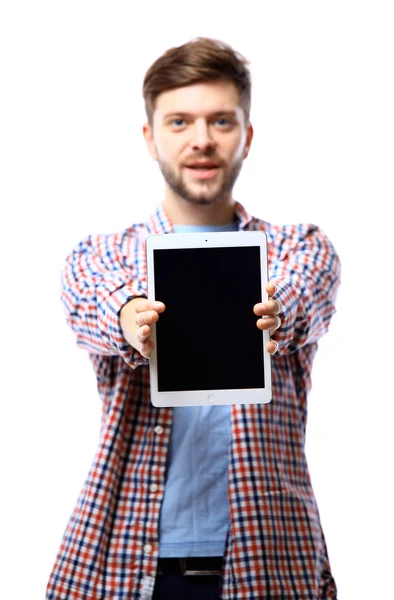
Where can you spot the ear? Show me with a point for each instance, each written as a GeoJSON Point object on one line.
{"type": "Point", "coordinates": [150, 142]}
{"type": "Point", "coordinates": [248, 142]}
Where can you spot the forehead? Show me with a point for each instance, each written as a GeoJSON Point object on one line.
{"type": "Point", "coordinates": [200, 99]}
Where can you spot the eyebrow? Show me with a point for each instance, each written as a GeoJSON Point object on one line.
{"type": "Point", "coordinates": [217, 113]}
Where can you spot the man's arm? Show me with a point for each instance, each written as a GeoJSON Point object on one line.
{"type": "Point", "coordinates": [306, 277]}
{"type": "Point", "coordinates": [97, 282]}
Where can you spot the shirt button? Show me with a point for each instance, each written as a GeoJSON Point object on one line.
{"type": "Point", "coordinates": [159, 429]}
{"type": "Point", "coordinates": [153, 487]}
{"type": "Point", "coordinates": [148, 548]}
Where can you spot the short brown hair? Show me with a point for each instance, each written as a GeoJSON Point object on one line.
{"type": "Point", "coordinates": [200, 60]}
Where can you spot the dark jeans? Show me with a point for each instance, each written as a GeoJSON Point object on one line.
{"type": "Point", "coordinates": [174, 586]}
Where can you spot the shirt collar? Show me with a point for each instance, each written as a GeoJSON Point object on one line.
{"type": "Point", "coordinates": [160, 223]}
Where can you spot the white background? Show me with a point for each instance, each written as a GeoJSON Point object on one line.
{"type": "Point", "coordinates": [73, 162]}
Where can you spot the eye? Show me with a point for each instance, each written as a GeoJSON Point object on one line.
{"type": "Point", "coordinates": [178, 122]}
{"type": "Point", "coordinates": [224, 123]}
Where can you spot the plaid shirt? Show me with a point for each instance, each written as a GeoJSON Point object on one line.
{"type": "Point", "coordinates": [275, 547]}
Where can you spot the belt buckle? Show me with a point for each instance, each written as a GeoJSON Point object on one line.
{"type": "Point", "coordinates": [190, 572]}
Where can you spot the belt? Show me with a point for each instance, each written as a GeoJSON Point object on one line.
{"type": "Point", "coordinates": [195, 565]}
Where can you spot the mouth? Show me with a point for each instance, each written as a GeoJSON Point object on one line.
{"type": "Point", "coordinates": [203, 170]}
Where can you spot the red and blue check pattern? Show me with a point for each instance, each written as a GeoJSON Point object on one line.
{"type": "Point", "coordinates": [275, 548]}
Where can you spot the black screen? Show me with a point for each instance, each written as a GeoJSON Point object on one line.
{"type": "Point", "coordinates": [207, 337]}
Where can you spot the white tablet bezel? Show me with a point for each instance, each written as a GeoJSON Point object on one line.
{"type": "Point", "coordinates": [208, 240]}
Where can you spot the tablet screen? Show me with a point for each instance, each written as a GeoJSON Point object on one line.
{"type": "Point", "coordinates": [207, 338]}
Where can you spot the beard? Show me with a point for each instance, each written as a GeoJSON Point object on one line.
{"type": "Point", "coordinates": [212, 192]}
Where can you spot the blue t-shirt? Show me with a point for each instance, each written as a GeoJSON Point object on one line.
{"type": "Point", "coordinates": [195, 511]}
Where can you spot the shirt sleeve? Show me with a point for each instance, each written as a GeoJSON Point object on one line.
{"type": "Point", "coordinates": [306, 272]}
{"type": "Point", "coordinates": [99, 278]}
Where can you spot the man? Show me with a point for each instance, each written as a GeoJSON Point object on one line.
{"type": "Point", "coordinates": [197, 502]}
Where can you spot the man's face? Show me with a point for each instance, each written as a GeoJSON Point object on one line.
{"type": "Point", "coordinates": [200, 139]}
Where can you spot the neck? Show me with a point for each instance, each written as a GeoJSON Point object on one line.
{"type": "Point", "coordinates": [181, 212]}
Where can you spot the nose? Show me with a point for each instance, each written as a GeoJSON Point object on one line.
{"type": "Point", "coordinates": [202, 138]}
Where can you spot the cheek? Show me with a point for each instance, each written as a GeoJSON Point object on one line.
{"type": "Point", "coordinates": [169, 150]}
{"type": "Point", "coordinates": [238, 151]}
{"type": "Point", "coordinates": [236, 147]}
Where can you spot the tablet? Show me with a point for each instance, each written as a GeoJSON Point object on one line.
{"type": "Point", "coordinates": [208, 348]}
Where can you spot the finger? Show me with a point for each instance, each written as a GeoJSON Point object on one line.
{"type": "Point", "coordinates": [159, 307]}
{"type": "Point", "coordinates": [271, 288]}
{"type": "Point", "coordinates": [146, 305]}
{"type": "Point", "coordinates": [143, 333]}
{"type": "Point", "coordinates": [272, 307]}
{"type": "Point", "coordinates": [272, 347]}
{"type": "Point", "coordinates": [146, 317]}
{"type": "Point", "coordinates": [269, 323]}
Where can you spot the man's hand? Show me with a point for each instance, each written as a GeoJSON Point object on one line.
{"type": "Point", "coordinates": [136, 317]}
{"type": "Point", "coordinates": [269, 312]}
